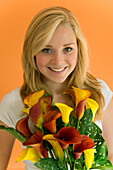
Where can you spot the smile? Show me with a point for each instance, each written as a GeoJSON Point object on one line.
{"type": "Point", "coordinates": [57, 69]}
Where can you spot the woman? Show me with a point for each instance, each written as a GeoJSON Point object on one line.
{"type": "Point", "coordinates": [54, 58]}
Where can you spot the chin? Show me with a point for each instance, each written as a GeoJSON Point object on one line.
{"type": "Point", "coordinates": [59, 81]}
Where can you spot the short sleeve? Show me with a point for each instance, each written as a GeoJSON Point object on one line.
{"type": "Point", "coordinates": [107, 93]}
{"type": "Point", "coordinates": [10, 108]}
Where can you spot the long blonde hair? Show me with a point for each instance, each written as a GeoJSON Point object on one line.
{"type": "Point", "coordinates": [38, 35]}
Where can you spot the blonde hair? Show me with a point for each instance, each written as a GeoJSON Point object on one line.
{"type": "Point", "coordinates": [38, 35]}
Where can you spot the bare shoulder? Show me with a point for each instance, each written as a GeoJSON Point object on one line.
{"type": "Point", "coordinates": [6, 145]}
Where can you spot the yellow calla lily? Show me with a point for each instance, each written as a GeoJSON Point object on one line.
{"type": "Point", "coordinates": [28, 154]}
{"type": "Point", "coordinates": [65, 111]}
{"type": "Point", "coordinates": [58, 151]}
{"type": "Point", "coordinates": [89, 157]}
{"type": "Point", "coordinates": [93, 105]}
{"type": "Point", "coordinates": [81, 94]}
{"type": "Point", "coordinates": [33, 98]}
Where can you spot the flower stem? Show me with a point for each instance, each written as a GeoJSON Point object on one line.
{"type": "Point", "coordinates": [49, 150]}
{"type": "Point", "coordinates": [42, 129]}
{"type": "Point", "coordinates": [78, 124]}
{"type": "Point", "coordinates": [74, 165]}
{"type": "Point", "coordinates": [68, 157]}
{"type": "Point", "coordinates": [84, 168]}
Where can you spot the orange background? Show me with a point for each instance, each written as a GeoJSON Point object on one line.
{"type": "Point", "coordinates": [96, 20]}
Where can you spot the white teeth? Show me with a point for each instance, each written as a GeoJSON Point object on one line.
{"type": "Point", "coordinates": [57, 70]}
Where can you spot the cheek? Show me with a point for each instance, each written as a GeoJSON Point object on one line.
{"type": "Point", "coordinates": [40, 61]}
{"type": "Point", "coordinates": [72, 60]}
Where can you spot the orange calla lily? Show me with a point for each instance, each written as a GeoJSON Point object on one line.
{"type": "Point", "coordinates": [81, 94]}
{"type": "Point", "coordinates": [36, 142]}
{"type": "Point", "coordinates": [28, 154]}
{"type": "Point", "coordinates": [36, 114]}
{"type": "Point", "coordinates": [68, 135]}
{"type": "Point", "coordinates": [65, 111]}
{"type": "Point", "coordinates": [40, 149]}
{"type": "Point", "coordinates": [58, 151]}
{"type": "Point", "coordinates": [46, 104]}
{"type": "Point", "coordinates": [80, 109]}
{"type": "Point", "coordinates": [78, 94]}
{"type": "Point", "coordinates": [50, 120]}
{"type": "Point", "coordinates": [89, 157]}
{"type": "Point", "coordinates": [86, 143]}
{"type": "Point", "coordinates": [32, 99]}
{"type": "Point", "coordinates": [93, 105]}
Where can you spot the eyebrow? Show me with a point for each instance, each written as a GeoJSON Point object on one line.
{"type": "Point", "coordinates": [63, 45]}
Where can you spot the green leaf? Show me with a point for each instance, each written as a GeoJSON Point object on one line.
{"type": "Point", "coordinates": [102, 168]}
{"type": "Point", "coordinates": [85, 125]}
{"type": "Point", "coordinates": [49, 164]}
{"type": "Point", "coordinates": [14, 132]}
{"type": "Point", "coordinates": [89, 128]}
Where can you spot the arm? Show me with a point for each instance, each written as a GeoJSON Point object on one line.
{"type": "Point", "coordinates": [6, 145]}
{"type": "Point", "coordinates": [108, 129]}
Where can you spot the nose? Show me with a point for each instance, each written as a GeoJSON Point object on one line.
{"type": "Point", "coordinates": [58, 58]}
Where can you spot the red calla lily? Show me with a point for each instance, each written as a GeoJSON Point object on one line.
{"type": "Point", "coordinates": [86, 143]}
{"type": "Point", "coordinates": [68, 135]}
{"type": "Point", "coordinates": [22, 126]}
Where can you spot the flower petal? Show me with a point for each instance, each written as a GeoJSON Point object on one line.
{"type": "Point", "coordinates": [40, 149]}
{"type": "Point", "coordinates": [89, 157]}
{"type": "Point", "coordinates": [77, 155]}
{"type": "Point", "coordinates": [58, 151]}
{"type": "Point", "coordinates": [46, 104]}
{"type": "Point", "coordinates": [33, 98]}
{"type": "Point", "coordinates": [68, 135]}
{"type": "Point", "coordinates": [51, 126]}
{"type": "Point", "coordinates": [81, 94]}
{"type": "Point", "coordinates": [80, 109]}
{"type": "Point", "coordinates": [93, 105]}
{"type": "Point", "coordinates": [86, 143]}
{"type": "Point", "coordinates": [71, 93]}
{"type": "Point", "coordinates": [36, 114]}
{"type": "Point", "coordinates": [51, 115]}
{"type": "Point", "coordinates": [28, 154]}
{"type": "Point", "coordinates": [26, 110]}
{"type": "Point", "coordinates": [65, 111]}
{"type": "Point", "coordinates": [50, 120]}
{"type": "Point", "coordinates": [35, 138]}
{"type": "Point", "coordinates": [22, 126]}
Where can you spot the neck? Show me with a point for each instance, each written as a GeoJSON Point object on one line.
{"type": "Point", "coordinates": [56, 88]}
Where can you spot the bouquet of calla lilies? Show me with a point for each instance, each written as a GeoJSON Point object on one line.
{"type": "Point", "coordinates": [59, 137]}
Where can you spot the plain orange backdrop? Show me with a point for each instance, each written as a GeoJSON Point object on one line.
{"type": "Point", "coordinates": [96, 20]}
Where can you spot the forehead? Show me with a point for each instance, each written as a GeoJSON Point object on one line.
{"type": "Point", "coordinates": [63, 34]}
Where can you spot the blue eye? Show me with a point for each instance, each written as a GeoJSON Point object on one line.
{"type": "Point", "coordinates": [68, 49]}
{"type": "Point", "coordinates": [46, 50]}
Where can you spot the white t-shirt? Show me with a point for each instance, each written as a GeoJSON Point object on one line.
{"type": "Point", "coordinates": [11, 106]}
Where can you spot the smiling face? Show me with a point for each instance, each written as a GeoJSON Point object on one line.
{"type": "Point", "coordinates": [58, 59]}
